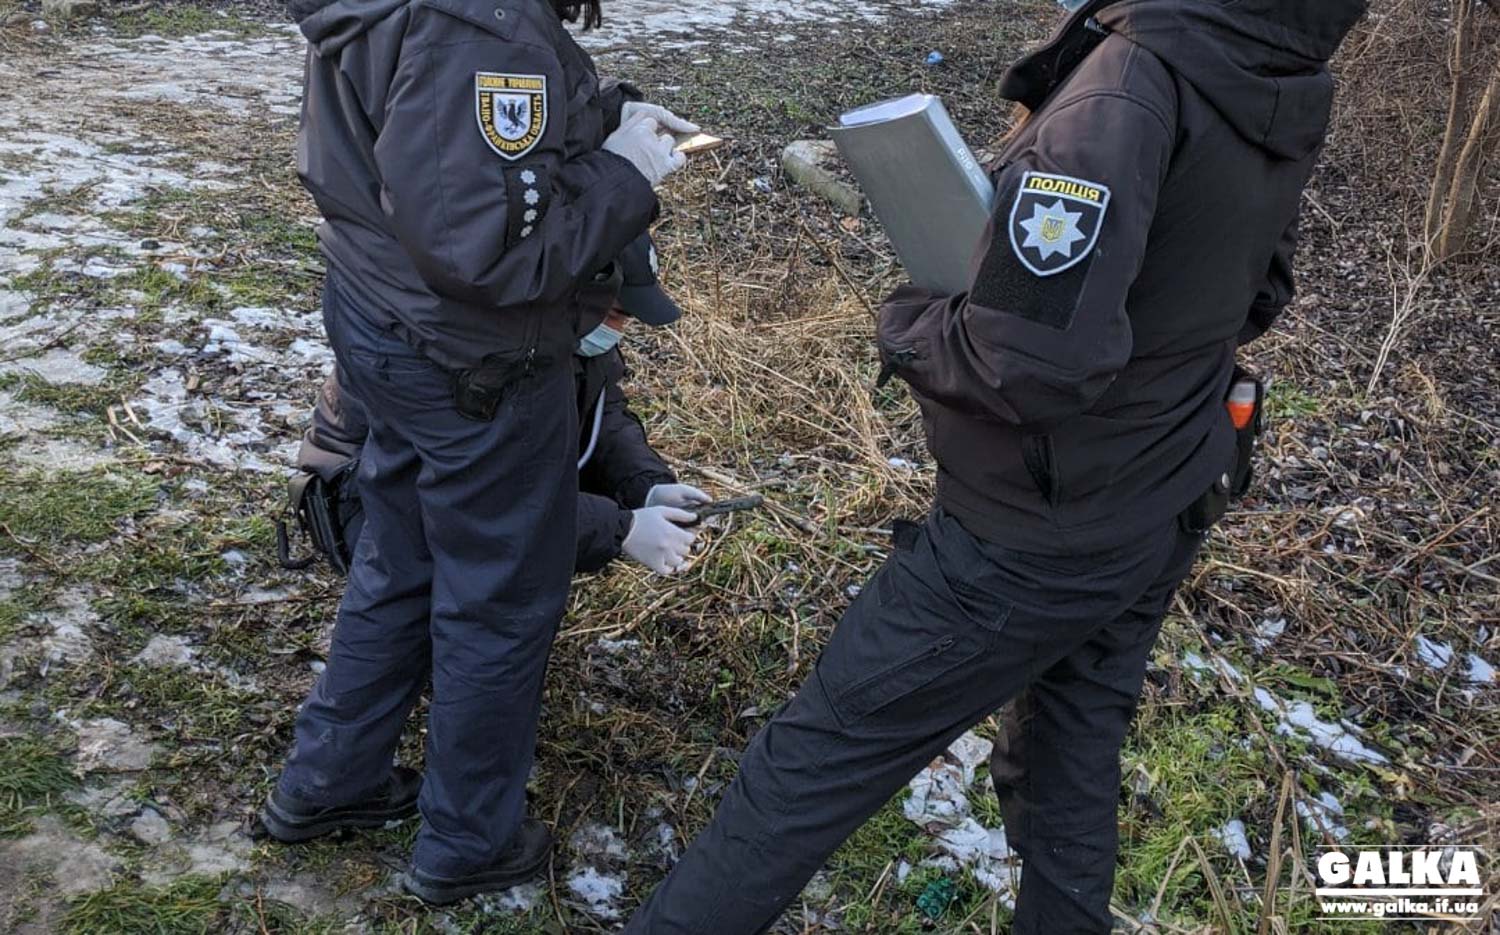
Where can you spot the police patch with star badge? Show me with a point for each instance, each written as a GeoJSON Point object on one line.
{"type": "Point", "coordinates": [512, 111]}
{"type": "Point", "coordinates": [1056, 220]}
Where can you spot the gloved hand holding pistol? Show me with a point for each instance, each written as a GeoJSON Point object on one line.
{"type": "Point", "coordinates": [657, 537]}
{"type": "Point", "coordinates": [658, 540]}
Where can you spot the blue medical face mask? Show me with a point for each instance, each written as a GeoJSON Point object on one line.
{"type": "Point", "coordinates": [1072, 6]}
{"type": "Point", "coordinates": [599, 342]}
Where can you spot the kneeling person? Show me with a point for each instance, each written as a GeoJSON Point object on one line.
{"type": "Point", "coordinates": [629, 501]}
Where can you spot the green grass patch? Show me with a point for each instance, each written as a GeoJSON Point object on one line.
{"type": "Point", "coordinates": [1200, 775]}
{"type": "Point", "coordinates": [201, 705]}
{"type": "Point", "coordinates": [49, 286]}
{"type": "Point", "coordinates": [51, 509]}
{"type": "Point", "coordinates": [33, 775]}
{"type": "Point", "coordinates": [159, 288]}
{"type": "Point", "coordinates": [175, 21]}
{"type": "Point", "coordinates": [1199, 771]}
{"type": "Point", "coordinates": [75, 398]}
{"type": "Point", "coordinates": [191, 907]}
{"type": "Point", "coordinates": [11, 615]}
{"type": "Point", "coordinates": [279, 235]}
{"type": "Point", "coordinates": [1287, 402]}
{"type": "Point", "coordinates": [141, 582]}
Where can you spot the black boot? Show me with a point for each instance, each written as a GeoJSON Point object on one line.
{"type": "Point", "coordinates": [291, 820]}
{"type": "Point", "coordinates": [524, 860]}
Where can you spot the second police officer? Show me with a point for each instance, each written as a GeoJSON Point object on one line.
{"type": "Point", "coordinates": [1075, 402]}
{"type": "Point", "coordinates": [476, 179]}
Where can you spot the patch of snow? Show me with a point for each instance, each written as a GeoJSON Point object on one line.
{"type": "Point", "coordinates": [1433, 654]}
{"type": "Point", "coordinates": [596, 842]}
{"type": "Point", "coordinates": [663, 840]}
{"type": "Point", "coordinates": [598, 878]}
{"type": "Point", "coordinates": [106, 745]}
{"type": "Point", "coordinates": [11, 577]}
{"type": "Point", "coordinates": [75, 866]}
{"type": "Point", "coordinates": [1324, 813]}
{"type": "Point", "coordinates": [1298, 719]}
{"type": "Point", "coordinates": [1232, 835]}
{"type": "Point", "coordinates": [276, 319]}
{"type": "Point", "coordinates": [216, 71]}
{"type": "Point", "coordinates": [517, 900]}
{"type": "Point", "coordinates": [306, 892]}
{"type": "Point", "coordinates": [939, 803]}
{"type": "Point", "coordinates": [167, 408]}
{"type": "Point", "coordinates": [109, 799]}
{"type": "Point", "coordinates": [57, 365]}
{"type": "Point", "coordinates": [600, 892]}
{"type": "Point", "coordinates": [662, 24]}
{"type": "Point", "coordinates": [1268, 632]}
{"type": "Point", "coordinates": [70, 622]}
{"type": "Point", "coordinates": [617, 647]}
{"type": "Point", "coordinates": [174, 348]}
{"type": "Point", "coordinates": [166, 651]}
{"type": "Point", "coordinates": [58, 454]}
{"type": "Point", "coordinates": [1479, 672]}
{"type": "Point", "coordinates": [312, 351]}
{"type": "Point", "coordinates": [1197, 665]}
{"type": "Point", "coordinates": [221, 848]}
{"type": "Point", "coordinates": [150, 828]}
{"type": "Point", "coordinates": [257, 596]}
{"type": "Point", "coordinates": [19, 418]}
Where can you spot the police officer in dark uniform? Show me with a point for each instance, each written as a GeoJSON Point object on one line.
{"type": "Point", "coordinates": [629, 503]}
{"type": "Point", "coordinates": [476, 179]}
{"type": "Point", "coordinates": [1074, 400]}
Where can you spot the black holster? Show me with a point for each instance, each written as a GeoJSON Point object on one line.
{"type": "Point", "coordinates": [1205, 512]}
{"type": "Point", "coordinates": [477, 394]}
{"type": "Point", "coordinates": [330, 515]}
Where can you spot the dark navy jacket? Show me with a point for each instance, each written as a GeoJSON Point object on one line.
{"type": "Point", "coordinates": [454, 149]}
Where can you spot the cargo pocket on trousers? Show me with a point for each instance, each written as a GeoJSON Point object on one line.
{"type": "Point", "coordinates": [908, 681]}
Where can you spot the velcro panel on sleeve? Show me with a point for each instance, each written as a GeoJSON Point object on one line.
{"type": "Point", "coordinates": [1007, 286]}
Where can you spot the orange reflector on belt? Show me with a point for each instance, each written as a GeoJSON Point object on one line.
{"type": "Point", "coordinates": [1241, 404]}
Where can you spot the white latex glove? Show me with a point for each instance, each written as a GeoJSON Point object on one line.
{"type": "Point", "coordinates": [637, 110]}
{"type": "Point", "coordinates": [680, 496]}
{"type": "Point", "coordinates": [644, 146]}
{"type": "Point", "coordinates": [658, 542]}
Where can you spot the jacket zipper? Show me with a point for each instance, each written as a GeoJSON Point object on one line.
{"type": "Point", "coordinates": [1041, 464]}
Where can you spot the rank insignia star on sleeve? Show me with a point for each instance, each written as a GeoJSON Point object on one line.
{"type": "Point", "coordinates": [528, 195]}
{"type": "Point", "coordinates": [1056, 221]}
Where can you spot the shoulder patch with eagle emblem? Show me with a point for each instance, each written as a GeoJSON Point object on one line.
{"type": "Point", "coordinates": [512, 111]}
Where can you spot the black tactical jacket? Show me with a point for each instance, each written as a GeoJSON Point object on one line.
{"type": "Point", "coordinates": [1144, 227]}
{"type": "Point", "coordinates": [453, 147]}
{"type": "Point", "coordinates": [614, 481]}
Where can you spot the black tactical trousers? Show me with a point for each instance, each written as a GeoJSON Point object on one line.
{"type": "Point", "coordinates": [460, 577]}
{"type": "Point", "coordinates": [948, 631]}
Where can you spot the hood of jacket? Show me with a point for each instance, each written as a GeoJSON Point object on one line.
{"type": "Point", "coordinates": [1262, 64]}
{"type": "Point", "coordinates": [332, 24]}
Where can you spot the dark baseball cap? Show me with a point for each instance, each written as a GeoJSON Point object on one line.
{"type": "Point", "coordinates": [642, 297]}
